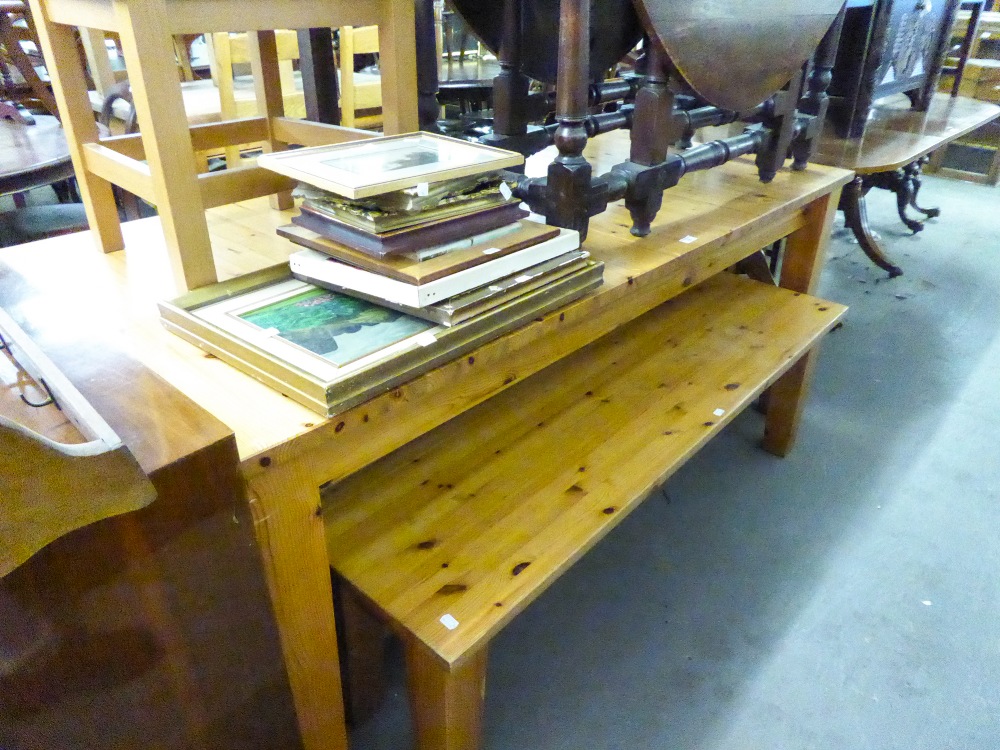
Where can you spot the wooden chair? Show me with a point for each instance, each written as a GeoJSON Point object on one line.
{"type": "Point", "coordinates": [955, 65]}
{"type": "Point", "coordinates": [227, 50]}
{"type": "Point", "coordinates": [102, 74]}
{"type": "Point", "coordinates": [16, 27]}
{"type": "Point", "coordinates": [159, 163]}
{"type": "Point", "coordinates": [358, 91]}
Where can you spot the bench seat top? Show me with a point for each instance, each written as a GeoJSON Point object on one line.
{"type": "Point", "coordinates": [456, 532]}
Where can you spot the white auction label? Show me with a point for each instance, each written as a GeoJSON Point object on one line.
{"type": "Point", "coordinates": [689, 239]}
{"type": "Point", "coordinates": [426, 338]}
{"type": "Point", "coordinates": [505, 191]}
{"type": "Point", "coordinates": [449, 622]}
{"type": "Point", "coordinates": [423, 189]}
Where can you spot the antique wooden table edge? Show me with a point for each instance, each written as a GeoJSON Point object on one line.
{"type": "Point", "coordinates": [890, 155]}
{"type": "Point", "coordinates": [721, 216]}
{"type": "Point", "coordinates": [24, 142]}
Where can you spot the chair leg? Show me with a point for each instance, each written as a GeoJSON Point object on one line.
{"type": "Point", "coordinates": [69, 85]}
{"type": "Point", "coordinates": [447, 705]}
{"type": "Point", "coordinates": [270, 102]}
{"type": "Point", "coordinates": [149, 57]}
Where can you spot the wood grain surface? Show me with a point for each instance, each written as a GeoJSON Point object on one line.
{"type": "Point", "coordinates": [897, 135]}
{"type": "Point", "coordinates": [737, 53]}
{"type": "Point", "coordinates": [725, 209]}
{"type": "Point", "coordinates": [477, 527]}
{"type": "Point", "coordinates": [64, 286]}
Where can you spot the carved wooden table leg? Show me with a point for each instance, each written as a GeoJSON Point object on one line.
{"type": "Point", "coordinates": [915, 173]}
{"type": "Point", "coordinates": [853, 205]}
{"type": "Point", "coordinates": [896, 181]}
{"type": "Point", "coordinates": [903, 188]}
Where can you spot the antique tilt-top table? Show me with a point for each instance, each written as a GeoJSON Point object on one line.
{"type": "Point", "coordinates": [709, 222]}
{"type": "Point", "coordinates": [890, 153]}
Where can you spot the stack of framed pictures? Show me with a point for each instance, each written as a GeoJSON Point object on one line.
{"type": "Point", "coordinates": [400, 193]}
{"type": "Point", "coordinates": [414, 252]}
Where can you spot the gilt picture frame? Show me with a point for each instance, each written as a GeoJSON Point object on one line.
{"type": "Point", "coordinates": [241, 322]}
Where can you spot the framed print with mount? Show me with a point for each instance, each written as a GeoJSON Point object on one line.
{"type": "Point", "coordinates": [330, 351]}
{"type": "Point", "coordinates": [379, 165]}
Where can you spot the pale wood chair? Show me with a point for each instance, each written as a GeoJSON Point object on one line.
{"type": "Point", "coordinates": [159, 163]}
{"type": "Point", "coordinates": [104, 77]}
{"type": "Point", "coordinates": [358, 91]}
{"type": "Point", "coordinates": [227, 50]}
{"type": "Point", "coordinates": [99, 47]}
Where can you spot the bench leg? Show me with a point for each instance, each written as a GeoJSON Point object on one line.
{"type": "Point", "coordinates": [362, 636]}
{"type": "Point", "coordinates": [447, 705]}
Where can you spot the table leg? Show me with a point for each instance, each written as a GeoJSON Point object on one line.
{"type": "Point", "coordinates": [805, 248]}
{"type": "Point", "coordinates": [805, 253]}
{"type": "Point", "coordinates": [915, 173]}
{"type": "Point", "coordinates": [905, 182]}
{"type": "Point", "coordinates": [285, 502]}
{"type": "Point", "coordinates": [362, 635]}
{"type": "Point", "coordinates": [785, 402]}
{"type": "Point", "coordinates": [902, 186]}
{"type": "Point", "coordinates": [852, 203]}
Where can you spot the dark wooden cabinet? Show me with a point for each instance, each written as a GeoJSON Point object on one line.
{"type": "Point", "coordinates": [888, 47]}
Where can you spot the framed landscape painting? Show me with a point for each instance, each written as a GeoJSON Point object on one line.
{"type": "Point", "coordinates": [321, 331]}
{"type": "Point", "coordinates": [327, 350]}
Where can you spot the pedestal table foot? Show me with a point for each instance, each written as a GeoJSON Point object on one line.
{"type": "Point", "coordinates": [915, 171]}
{"type": "Point", "coordinates": [856, 217]}
{"type": "Point", "coordinates": [904, 197]}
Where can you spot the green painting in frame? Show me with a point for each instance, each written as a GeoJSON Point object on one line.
{"type": "Point", "coordinates": [339, 328]}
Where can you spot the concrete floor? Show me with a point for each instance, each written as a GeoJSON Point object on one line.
{"type": "Point", "coordinates": [843, 598]}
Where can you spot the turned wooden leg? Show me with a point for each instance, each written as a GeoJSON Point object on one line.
{"type": "Point", "coordinates": [362, 636]}
{"type": "Point", "coordinates": [447, 705]}
{"type": "Point", "coordinates": [853, 206]}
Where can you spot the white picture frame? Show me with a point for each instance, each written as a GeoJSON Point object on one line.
{"type": "Point", "coordinates": [360, 169]}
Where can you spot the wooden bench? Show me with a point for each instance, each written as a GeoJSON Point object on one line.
{"type": "Point", "coordinates": [451, 536]}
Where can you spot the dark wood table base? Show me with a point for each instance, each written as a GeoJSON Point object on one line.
{"type": "Point", "coordinates": [891, 154]}
{"type": "Point", "coordinates": [905, 182]}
